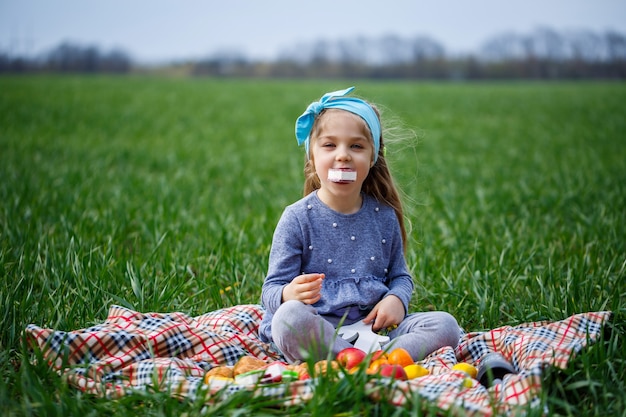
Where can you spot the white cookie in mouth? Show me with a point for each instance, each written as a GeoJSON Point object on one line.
{"type": "Point", "coordinates": [341, 175]}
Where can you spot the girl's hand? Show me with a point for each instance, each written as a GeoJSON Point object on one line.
{"type": "Point", "coordinates": [387, 312]}
{"type": "Point", "coordinates": [306, 288]}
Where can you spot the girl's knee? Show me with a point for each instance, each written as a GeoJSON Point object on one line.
{"type": "Point", "coordinates": [441, 327]}
{"type": "Point", "coordinates": [297, 331]}
{"type": "Point", "coordinates": [292, 314]}
{"type": "Point", "coordinates": [449, 328]}
{"type": "Point", "coordinates": [289, 308]}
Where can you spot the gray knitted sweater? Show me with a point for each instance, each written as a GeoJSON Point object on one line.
{"type": "Point", "coordinates": [361, 255]}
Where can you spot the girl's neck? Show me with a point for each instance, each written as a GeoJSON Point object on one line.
{"type": "Point", "coordinates": [341, 204]}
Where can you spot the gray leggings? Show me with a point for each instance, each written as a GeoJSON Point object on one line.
{"type": "Point", "coordinates": [300, 332]}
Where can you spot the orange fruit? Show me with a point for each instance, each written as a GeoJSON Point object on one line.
{"type": "Point", "coordinates": [375, 366]}
{"type": "Point", "coordinates": [399, 356]}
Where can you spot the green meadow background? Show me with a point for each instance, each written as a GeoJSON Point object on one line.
{"type": "Point", "coordinates": [161, 194]}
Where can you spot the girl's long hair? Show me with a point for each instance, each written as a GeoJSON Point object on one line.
{"type": "Point", "coordinates": [378, 184]}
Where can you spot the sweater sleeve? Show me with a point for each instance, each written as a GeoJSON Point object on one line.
{"type": "Point", "coordinates": [285, 260]}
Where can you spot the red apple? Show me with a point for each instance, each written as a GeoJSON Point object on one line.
{"type": "Point", "coordinates": [377, 355]}
{"type": "Point", "coordinates": [393, 371]}
{"type": "Point", "coordinates": [350, 357]}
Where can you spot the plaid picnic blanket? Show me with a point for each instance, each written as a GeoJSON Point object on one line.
{"type": "Point", "coordinates": [133, 351]}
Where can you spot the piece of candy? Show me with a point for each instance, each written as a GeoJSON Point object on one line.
{"type": "Point", "coordinates": [274, 373]}
{"type": "Point", "coordinates": [290, 375]}
{"type": "Point", "coordinates": [250, 377]}
{"type": "Point", "coordinates": [341, 175]}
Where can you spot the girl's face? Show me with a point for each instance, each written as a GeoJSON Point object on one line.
{"type": "Point", "coordinates": [342, 142]}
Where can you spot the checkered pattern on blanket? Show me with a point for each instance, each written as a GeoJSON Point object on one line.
{"type": "Point", "coordinates": [529, 347]}
{"type": "Point", "coordinates": [136, 351]}
{"type": "Point", "coordinates": [133, 350]}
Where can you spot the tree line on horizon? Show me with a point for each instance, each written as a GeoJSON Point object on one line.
{"type": "Point", "coordinates": [542, 54]}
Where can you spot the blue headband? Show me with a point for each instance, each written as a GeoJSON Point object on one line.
{"type": "Point", "coordinates": [337, 100]}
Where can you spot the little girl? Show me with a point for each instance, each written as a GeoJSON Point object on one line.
{"type": "Point", "coordinates": [337, 254]}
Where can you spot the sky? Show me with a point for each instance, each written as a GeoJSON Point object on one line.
{"type": "Point", "coordinates": [161, 30]}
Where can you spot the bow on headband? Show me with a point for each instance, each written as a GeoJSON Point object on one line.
{"type": "Point", "coordinates": [337, 100]}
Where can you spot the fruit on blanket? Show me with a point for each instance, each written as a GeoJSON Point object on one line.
{"type": "Point", "coordinates": [468, 382]}
{"type": "Point", "coordinates": [400, 356]}
{"type": "Point", "coordinates": [377, 355]}
{"type": "Point", "coordinates": [469, 369]}
{"type": "Point", "coordinates": [375, 365]}
{"type": "Point", "coordinates": [350, 357]}
{"type": "Point", "coordinates": [393, 371]}
{"type": "Point", "coordinates": [415, 371]}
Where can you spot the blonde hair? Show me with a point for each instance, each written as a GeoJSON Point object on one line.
{"type": "Point", "coordinates": [378, 184]}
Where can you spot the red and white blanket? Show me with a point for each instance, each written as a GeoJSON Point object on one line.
{"type": "Point", "coordinates": [171, 352]}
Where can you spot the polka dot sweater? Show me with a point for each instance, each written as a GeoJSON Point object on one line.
{"type": "Point", "coordinates": [361, 255]}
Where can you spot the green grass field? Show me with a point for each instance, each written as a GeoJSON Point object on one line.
{"type": "Point", "coordinates": [156, 194]}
